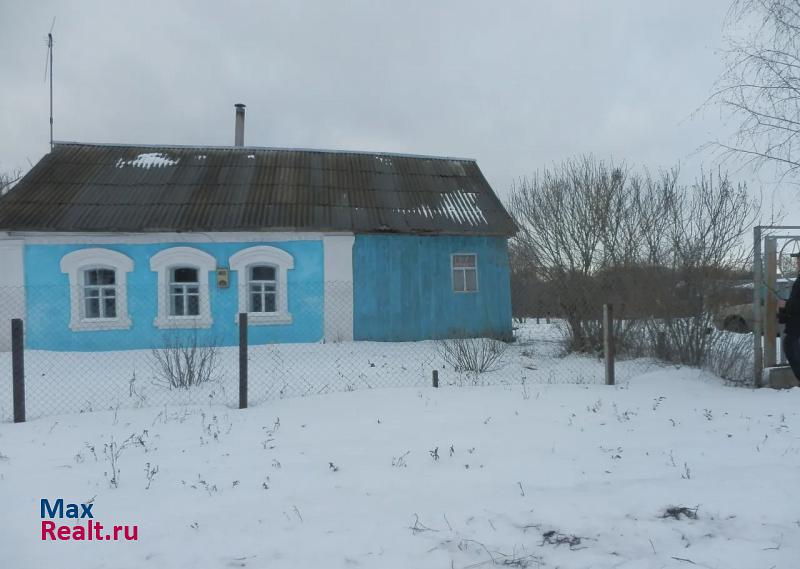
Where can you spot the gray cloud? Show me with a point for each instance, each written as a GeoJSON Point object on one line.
{"type": "Point", "coordinates": [515, 84]}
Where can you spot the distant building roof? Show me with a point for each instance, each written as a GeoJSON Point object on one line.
{"type": "Point", "coordinates": [121, 188]}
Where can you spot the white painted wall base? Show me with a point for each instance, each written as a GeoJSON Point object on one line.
{"type": "Point", "coordinates": [12, 291]}
{"type": "Point", "coordinates": [338, 271]}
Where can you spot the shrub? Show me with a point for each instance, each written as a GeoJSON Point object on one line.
{"type": "Point", "coordinates": [476, 355]}
{"type": "Point", "coordinates": [730, 356]}
{"type": "Point", "coordinates": [683, 341]}
{"type": "Point", "coordinates": [183, 362]}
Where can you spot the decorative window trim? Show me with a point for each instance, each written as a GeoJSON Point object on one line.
{"type": "Point", "coordinates": [73, 264]}
{"type": "Point", "coordinates": [263, 255]}
{"type": "Point", "coordinates": [165, 260]}
{"type": "Point", "coordinates": [453, 268]}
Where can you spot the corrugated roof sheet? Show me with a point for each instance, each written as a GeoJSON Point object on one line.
{"type": "Point", "coordinates": [109, 188]}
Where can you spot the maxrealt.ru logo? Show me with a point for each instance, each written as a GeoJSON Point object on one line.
{"type": "Point", "coordinates": [87, 530]}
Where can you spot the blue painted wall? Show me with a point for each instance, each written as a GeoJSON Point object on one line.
{"type": "Point", "coordinates": [48, 304]}
{"type": "Point", "coordinates": [403, 288]}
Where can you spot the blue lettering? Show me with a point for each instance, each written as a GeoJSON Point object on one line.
{"type": "Point", "coordinates": [57, 511]}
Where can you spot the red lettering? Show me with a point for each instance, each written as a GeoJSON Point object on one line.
{"type": "Point", "coordinates": [47, 528]}
{"type": "Point", "coordinates": [117, 529]}
{"type": "Point", "coordinates": [134, 533]}
{"type": "Point", "coordinates": [64, 532]}
{"type": "Point", "coordinates": [98, 527]}
{"type": "Point", "coordinates": [79, 533]}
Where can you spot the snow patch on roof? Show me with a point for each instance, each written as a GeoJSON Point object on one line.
{"type": "Point", "coordinates": [458, 206]}
{"type": "Point", "coordinates": [148, 160]}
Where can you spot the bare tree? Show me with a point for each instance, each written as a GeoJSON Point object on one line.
{"type": "Point", "coordinates": [760, 86]}
{"type": "Point", "coordinates": [598, 233]}
{"type": "Point", "coordinates": [576, 220]}
{"type": "Point", "coordinates": [8, 179]}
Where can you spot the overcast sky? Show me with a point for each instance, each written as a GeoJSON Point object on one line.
{"type": "Point", "coordinates": [515, 84]}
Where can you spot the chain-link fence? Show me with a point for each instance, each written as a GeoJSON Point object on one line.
{"type": "Point", "coordinates": [103, 348]}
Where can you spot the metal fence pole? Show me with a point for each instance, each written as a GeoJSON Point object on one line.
{"type": "Point", "coordinates": [242, 360]}
{"type": "Point", "coordinates": [18, 369]}
{"type": "Point", "coordinates": [771, 303]}
{"type": "Point", "coordinates": [608, 342]}
{"type": "Point", "coordinates": [758, 353]}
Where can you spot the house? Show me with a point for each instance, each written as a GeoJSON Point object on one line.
{"type": "Point", "coordinates": [107, 246]}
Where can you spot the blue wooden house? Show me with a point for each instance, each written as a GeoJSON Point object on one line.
{"type": "Point", "coordinates": [107, 247]}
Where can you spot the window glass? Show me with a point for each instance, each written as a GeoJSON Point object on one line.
{"type": "Point", "coordinates": [464, 261]}
{"type": "Point", "coordinates": [262, 273]}
{"type": "Point", "coordinates": [471, 280]}
{"type": "Point", "coordinates": [458, 281]}
{"type": "Point", "coordinates": [184, 275]}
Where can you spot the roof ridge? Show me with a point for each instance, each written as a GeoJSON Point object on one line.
{"type": "Point", "coordinates": [261, 148]}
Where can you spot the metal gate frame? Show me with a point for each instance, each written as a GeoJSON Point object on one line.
{"type": "Point", "coordinates": [764, 234]}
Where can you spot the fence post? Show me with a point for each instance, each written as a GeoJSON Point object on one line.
{"type": "Point", "coordinates": [608, 342]}
{"type": "Point", "coordinates": [242, 360]}
{"type": "Point", "coordinates": [758, 350]}
{"type": "Point", "coordinates": [771, 304]}
{"type": "Point", "coordinates": [436, 378]}
{"type": "Point", "coordinates": [18, 369]}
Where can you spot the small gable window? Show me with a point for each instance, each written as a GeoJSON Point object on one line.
{"type": "Point", "coordinates": [465, 272]}
{"type": "Point", "coordinates": [98, 291]}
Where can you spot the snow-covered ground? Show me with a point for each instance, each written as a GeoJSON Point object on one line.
{"type": "Point", "coordinates": [541, 475]}
{"type": "Point", "coordinates": [72, 382]}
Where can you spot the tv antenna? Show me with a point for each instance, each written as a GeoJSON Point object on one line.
{"type": "Point", "coordinates": [48, 62]}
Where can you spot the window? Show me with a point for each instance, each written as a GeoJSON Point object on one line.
{"type": "Point", "coordinates": [183, 291]}
{"type": "Point", "coordinates": [262, 274]}
{"type": "Point", "coordinates": [263, 289]}
{"type": "Point", "coordinates": [465, 272]}
{"type": "Point", "coordinates": [98, 292]}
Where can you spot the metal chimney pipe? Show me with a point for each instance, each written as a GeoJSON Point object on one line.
{"type": "Point", "coordinates": [239, 138]}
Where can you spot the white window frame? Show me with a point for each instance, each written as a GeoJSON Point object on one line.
{"type": "Point", "coordinates": [174, 257]}
{"type": "Point", "coordinates": [101, 288]}
{"type": "Point", "coordinates": [74, 264]}
{"type": "Point", "coordinates": [263, 255]}
{"type": "Point", "coordinates": [262, 292]}
{"type": "Point", "coordinates": [184, 294]}
{"type": "Point", "coordinates": [453, 268]}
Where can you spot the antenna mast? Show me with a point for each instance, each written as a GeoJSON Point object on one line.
{"type": "Point", "coordinates": [50, 61]}
{"type": "Point", "coordinates": [50, 49]}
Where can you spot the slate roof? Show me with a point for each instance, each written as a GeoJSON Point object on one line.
{"type": "Point", "coordinates": [118, 188]}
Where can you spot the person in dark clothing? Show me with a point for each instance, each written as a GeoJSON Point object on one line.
{"type": "Point", "coordinates": [790, 317]}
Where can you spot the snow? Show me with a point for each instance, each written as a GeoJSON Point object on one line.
{"type": "Point", "coordinates": [458, 206]}
{"type": "Point", "coordinates": [148, 160]}
{"type": "Point", "coordinates": [326, 469]}
{"type": "Point", "coordinates": [348, 479]}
